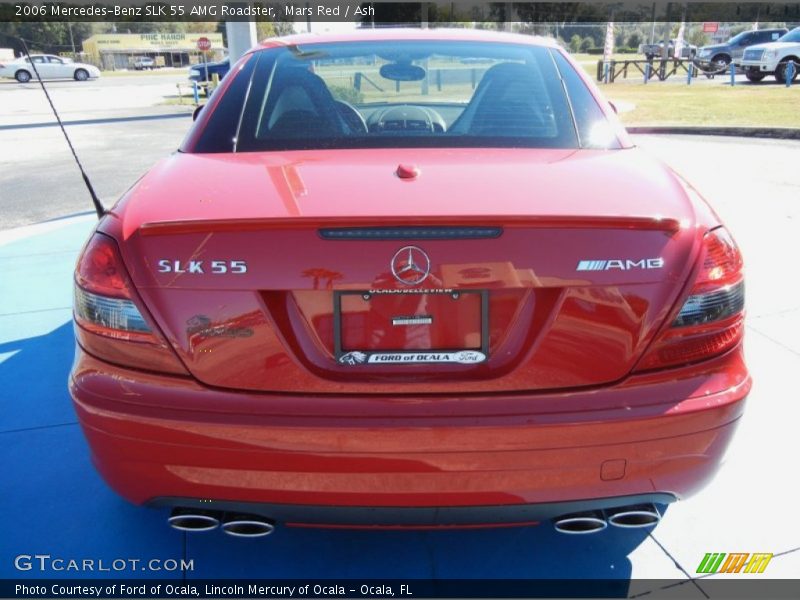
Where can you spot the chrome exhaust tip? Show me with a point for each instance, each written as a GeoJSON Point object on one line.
{"type": "Point", "coordinates": [634, 517]}
{"type": "Point", "coordinates": [189, 519]}
{"type": "Point", "coordinates": [249, 526]}
{"type": "Point", "coordinates": [580, 523]}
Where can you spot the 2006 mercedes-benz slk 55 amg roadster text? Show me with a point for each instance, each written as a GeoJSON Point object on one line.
{"type": "Point", "coordinates": [409, 278]}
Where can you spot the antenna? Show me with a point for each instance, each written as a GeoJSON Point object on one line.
{"type": "Point", "coordinates": [98, 206]}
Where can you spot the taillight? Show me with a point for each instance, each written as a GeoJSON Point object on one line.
{"type": "Point", "coordinates": [111, 322]}
{"type": "Point", "coordinates": [711, 319]}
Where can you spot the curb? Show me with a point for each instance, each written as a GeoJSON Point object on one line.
{"type": "Point", "coordinates": [96, 121]}
{"type": "Point", "coordinates": [776, 133]}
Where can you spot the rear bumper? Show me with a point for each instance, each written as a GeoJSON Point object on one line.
{"type": "Point", "coordinates": [666, 435]}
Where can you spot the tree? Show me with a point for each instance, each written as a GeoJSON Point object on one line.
{"type": "Point", "coordinates": [48, 37]}
{"type": "Point", "coordinates": [634, 40]}
{"type": "Point", "coordinates": [264, 30]}
{"type": "Point", "coordinates": [575, 43]}
{"type": "Point", "coordinates": [202, 27]}
{"type": "Point", "coordinates": [149, 27]}
{"type": "Point", "coordinates": [587, 44]}
{"type": "Point", "coordinates": [697, 37]}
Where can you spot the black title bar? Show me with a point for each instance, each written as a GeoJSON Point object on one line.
{"type": "Point", "coordinates": [412, 589]}
{"type": "Point", "coordinates": [395, 13]}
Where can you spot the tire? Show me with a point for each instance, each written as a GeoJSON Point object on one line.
{"type": "Point", "coordinates": [780, 72]}
{"type": "Point", "coordinates": [81, 75]}
{"type": "Point", "coordinates": [754, 76]}
{"type": "Point", "coordinates": [720, 62]}
{"type": "Point", "coordinates": [22, 76]}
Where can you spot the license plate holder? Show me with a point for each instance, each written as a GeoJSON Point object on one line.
{"type": "Point", "coordinates": [389, 356]}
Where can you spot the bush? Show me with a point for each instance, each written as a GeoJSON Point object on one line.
{"type": "Point", "coordinates": [634, 40]}
{"type": "Point", "coordinates": [622, 50]}
{"type": "Point", "coordinates": [586, 44]}
{"type": "Point", "coordinates": [346, 94]}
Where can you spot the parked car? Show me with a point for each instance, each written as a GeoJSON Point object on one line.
{"type": "Point", "coordinates": [141, 63]}
{"type": "Point", "coordinates": [203, 72]}
{"type": "Point", "coordinates": [772, 58]}
{"type": "Point", "coordinates": [717, 57]}
{"type": "Point", "coordinates": [49, 67]}
{"type": "Point", "coordinates": [461, 305]}
{"type": "Point", "coordinates": [652, 51]}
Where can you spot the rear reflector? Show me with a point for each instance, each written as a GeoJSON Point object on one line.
{"type": "Point", "coordinates": [711, 319]}
{"type": "Point", "coordinates": [690, 348]}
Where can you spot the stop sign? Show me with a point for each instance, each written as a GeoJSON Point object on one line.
{"type": "Point", "coordinates": [203, 44]}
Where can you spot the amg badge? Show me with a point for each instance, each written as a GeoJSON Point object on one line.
{"type": "Point", "coordinates": [623, 264]}
{"type": "Point", "coordinates": [464, 357]}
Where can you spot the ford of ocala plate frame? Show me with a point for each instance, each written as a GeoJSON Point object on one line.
{"type": "Point", "coordinates": [462, 356]}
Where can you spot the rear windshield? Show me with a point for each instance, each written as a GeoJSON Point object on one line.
{"type": "Point", "coordinates": [399, 94]}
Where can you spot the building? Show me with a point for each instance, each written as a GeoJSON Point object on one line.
{"type": "Point", "coordinates": [119, 50]}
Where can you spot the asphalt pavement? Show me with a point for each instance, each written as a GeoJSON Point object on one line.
{"type": "Point", "coordinates": [39, 179]}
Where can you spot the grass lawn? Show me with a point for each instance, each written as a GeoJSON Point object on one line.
{"type": "Point", "coordinates": [765, 105]}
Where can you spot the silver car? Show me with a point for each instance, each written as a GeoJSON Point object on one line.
{"type": "Point", "coordinates": [49, 67]}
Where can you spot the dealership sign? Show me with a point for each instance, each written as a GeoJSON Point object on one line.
{"type": "Point", "coordinates": [149, 42]}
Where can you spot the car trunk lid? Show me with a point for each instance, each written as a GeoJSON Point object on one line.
{"type": "Point", "coordinates": [280, 272]}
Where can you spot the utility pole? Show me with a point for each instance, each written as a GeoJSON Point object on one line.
{"type": "Point", "coordinates": [508, 15]}
{"type": "Point", "coordinates": [72, 40]}
{"type": "Point", "coordinates": [241, 37]}
{"type": "Point", "coordinates": [653, 31]}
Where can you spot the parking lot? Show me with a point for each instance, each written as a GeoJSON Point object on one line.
{"type": "Point", "coordinates": [58, 505]}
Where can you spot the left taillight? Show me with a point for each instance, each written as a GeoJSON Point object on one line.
{"type": "Point", "coordinates": [112, 323]}
{"type": "Point", "coordinates": [710, 320]}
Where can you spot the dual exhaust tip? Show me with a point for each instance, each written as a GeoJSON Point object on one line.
{"type": "Point", "coordinates": [249, 526]}
{"type": "Point", "coordinates": [235, 524]}
{"type": "Point", "coordinates": [628, 517]}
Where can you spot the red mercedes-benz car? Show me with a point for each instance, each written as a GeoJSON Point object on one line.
{"type": "Point", "coordinates": [409, 279]}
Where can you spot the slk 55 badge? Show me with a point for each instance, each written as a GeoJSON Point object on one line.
{"type": "Point", "coordinates": [200, 267]}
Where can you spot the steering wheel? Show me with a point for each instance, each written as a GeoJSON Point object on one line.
{"type": "Point", "coordinates": [352, 117]}
{"type": "Point", "coordinates": [406, 118]}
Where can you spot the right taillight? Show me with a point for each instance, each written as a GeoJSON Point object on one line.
{"type": "Point", "coordinates": [111, 322]}
{"type": "Point", "coordinates": [711, 318]}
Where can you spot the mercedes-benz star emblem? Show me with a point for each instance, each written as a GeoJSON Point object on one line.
{"type": "Point", "coordinates": [410, 265]}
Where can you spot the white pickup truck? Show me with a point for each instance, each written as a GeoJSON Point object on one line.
{"type": "Point", "coordinates": [772, 58]}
